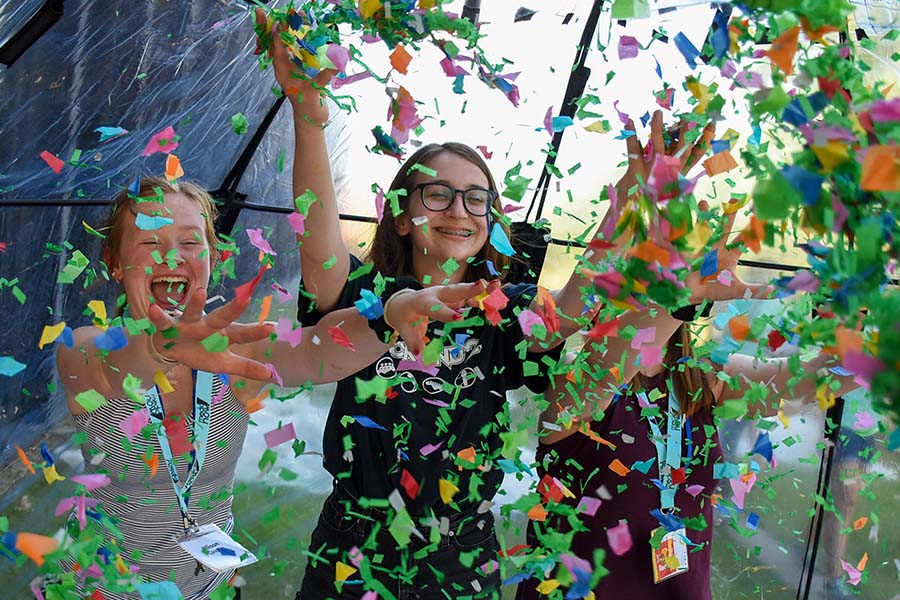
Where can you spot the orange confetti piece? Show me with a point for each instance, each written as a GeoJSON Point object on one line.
{"type": "Point", "coordinates": [173, 168]}
{"type": "Point", "coordinates": [537, 513]}
{"type": "Point", "coordinates": [467, 454]}
{"type": "Point", "coordinates": [860, 523]}
{"type": "Point", "coordinates": [721, 162]}
{"type": "Point", "coordinates": [35, 546]}
{"type": "Point", "coordinates": [265, 308]}
{"type": "Point", "coordinates": [861, 565]}
{"type": "Point", "coordinates": [152, 464]}
{"type": "Point", "coordinates": [784, 48]}
{"type": "Point", "coordinates": [649, 252]}
{"type": "Point", "coordinates": [880, 172]}
{"type": "Point", "coordinates": [847, 341]}
{"type": "Point", "coordinates": [739, 327]}
{"type": "Point", "coordinates": [754, 234]}
{"type": "Point", "coordinates": [24, 458]}
{"type": "Point", "coordinates": [618, 468]}
{"type": "Point", "coordinates": [256, 404]}
{"type": "Point", "coordinates": [400, 59]}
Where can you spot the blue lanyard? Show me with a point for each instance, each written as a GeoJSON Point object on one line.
{"type": "Point", "coordinates": [668, 450]}
{"type": "Point", "coordinates": [203, 383]}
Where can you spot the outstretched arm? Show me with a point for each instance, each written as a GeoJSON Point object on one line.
{"type": "Point", "coordinates": [312, 173]}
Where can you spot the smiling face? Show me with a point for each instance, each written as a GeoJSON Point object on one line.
{"type": "Point", "coordinates": [163, 265]}
{"type": "Point", "coordinates": [437, 236]}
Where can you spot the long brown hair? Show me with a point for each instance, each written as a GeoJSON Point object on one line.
{"type": "Point", "coordinates": [691, 385]}
{"type": "Point", "coordinates": [153, 187]}
{"type": "Point", "coordinates": [392, 254]}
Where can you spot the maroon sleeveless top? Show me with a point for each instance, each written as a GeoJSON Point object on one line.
{"type": "Point", "coordinates": [583, 465]}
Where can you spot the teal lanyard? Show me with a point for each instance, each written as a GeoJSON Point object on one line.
{"type": "Point", "coordinates": [203, 384]}
{"type": "Point", "coordinates": [668, 450]}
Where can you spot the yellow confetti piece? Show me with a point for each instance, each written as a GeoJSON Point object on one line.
{"type": "Point", "coordinates": [546, 587]}
{"type": "Point", "coordinates": [427, 4]}
{"type": "Point", "coordinates": [98, 307]}
{"type": "Point", "coordinates": [50, 474]}
{"type": "Point", "coordinates": [121, 567]}
{"type": "Point", "coordinates": [447, 490]}
{"type": "Point", "coordinates": [343, 572]}
{"type": "Point", "coordinates": [700, 92]}
{"type": "Point", "coordinates": [824, 397]}
{"type": "Point", "coordinates": [162, 382]}
{"type": "Point", "coordinates": [831, 154]}
{"type": "Point", "coordinates": [367, 8]}
{"type": "Point", "coordinates": [599, 127]}
{"type": "Point", "coordinates": [50, 333]}
{"type": "Point", "coordinates": [698, 236]}
{"type": "Point", "coordinates": [785, 420]}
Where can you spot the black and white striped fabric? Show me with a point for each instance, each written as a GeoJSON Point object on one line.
{"type": "Point", "coordinates": [146, 508]}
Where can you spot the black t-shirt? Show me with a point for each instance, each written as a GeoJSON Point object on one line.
{"type": "Point", "coordinates": [435, 422]}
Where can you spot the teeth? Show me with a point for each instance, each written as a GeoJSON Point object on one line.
{"type": "Point", "coordinates": [170, 279]}
{"type": "Point", "coordinates": [460, 232]}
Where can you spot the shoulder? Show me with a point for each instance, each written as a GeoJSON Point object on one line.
{"type": "Point", "coordinates": [79, 367]}
{"type": "Point", "coordinates": [520, 293]}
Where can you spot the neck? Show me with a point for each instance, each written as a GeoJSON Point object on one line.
{"type": "Point", "coordinates": [651, 371]}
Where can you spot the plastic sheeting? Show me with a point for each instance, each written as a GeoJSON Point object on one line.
{"type": "Point", "coordinates": [141, 66]}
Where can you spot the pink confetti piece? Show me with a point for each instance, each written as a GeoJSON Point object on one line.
{"type": "Point", "coordinates": [451, 69]}
{"type": "Point", "coordinates": [283, 294]}
{"type": "Point", "coordinates": [434, 402]}
{"type": "Point", "coordinates": [647, 334]}
{"type": "Point", "coordinates": [528, 319]}
{"type": "Point", "coordinates": [864, 421]}
{"type": "Point", "coordinates": [379, 205]}
{"type": "Point", "coordinates": [339, 82]}
{"type": "Point", "coordinates": [861, 364]}
{"type": "Point", "coordinates": [694, 490]}
{"type": "Point", "coordinates": [258, 241]}
{"type": "Point", "coordinates": [285, 331]}
{"type": "Point", "coordinates": [548, 121]}
{"type": "Point", "coordinates": [164, 141]}
{"type": "Point", "coordinates": [628, 47]}
{"type": "Point", "coordinates": [430, 448]}
{"type": "Point", "coordinates": [297, 223]}
{"type": "Point", "coordinates": [619, 538]}
{"type": "Point", "coordinates": [853, 573]}
{"type": "Point", "coordinates": [589, 505]}
{"type": "Point", "coordinates": [417, 365]}
{"type": "Point", "coordinates": [370, 596]}
{"type": "Point", "coordinates": [280, 435]}
{"type": "Point", "coordinates": [338, 55]}
{"type": "Point", "coordinates": [275, 376]}
{"type": "Point", "coordinates": [53, 161]}
{"type": "Point", "coordinates": [725, 278]}
{"type": "Point", "coordinates": [484, 152]}
{"type": "Point", "coordinates": [650, 355]}
{"type": "Point", "coordinates": [92, 481]}
{"type": "Point", "coordinates": [133, 423]}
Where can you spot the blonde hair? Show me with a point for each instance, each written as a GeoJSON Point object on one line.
{"type": "Point", "coordinates": [156, 187]}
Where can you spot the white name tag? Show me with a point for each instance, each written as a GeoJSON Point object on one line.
{"type": "Point", "coordinates": [215, 549]}
{"type": "Point", "coordinates": [671, 558]}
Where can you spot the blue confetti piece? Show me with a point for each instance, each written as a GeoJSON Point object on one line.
{"type": "Point", "coordinates": [458, 84]}
{"type": "Point", "coordinates": [720, 146]}
{"type": "Point", "coordinates": [67, 337]}
{"type": "Point", "coordinates": [643, 465]}
{"type": "Point", "coordinates": [500, 241]}
{"type": "Point", "coordinates": [135, 188]}
{"type": "Point", "coordinates": [111, 339]}
{"type": "Point", "coordinates": [719, 38]}
{"type": "Point", "coordinates": [45, 454]}
{"type": "Point", "coordinates": [561, 122]}
{"type": "Point", "coordinates": [8, 541]}
{"type": "Point", "coordinates": [645, 118]}
{"type": "Point", "coordinates": [669, 521]}
{"type": "Point", "coordinates": [807, 183]}
{"type": "Point", "coordinates": [763, 446]}
{"type": "Point", "coordinates": [162, 590]}
{"type": "Point", "coordinates": [687, 50]}
{"type": "Point", "coordinates": [369, 305]}
{"type": "Point", "coordinates": [492, 269]}
{"type": "Point", "coordinates": [108, 133]}
{"type": "Point", "coordinates": [710, 265]}
{"type": "Point", "coordinates": [726, 470]}
{"type": "Point", "coordinates": [755, 138]}
{"type": "Point", "coordinates": [658, 68]}
{"type": "Point", "coordinates": [10, 366]}
{"type": "Point", "coordinates": [752, 520]}
{"type": "Point", "coordinates": [145, 222]}
{"type": "Point", "coordinates": [368, 423]}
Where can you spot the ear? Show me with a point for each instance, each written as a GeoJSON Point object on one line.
{"type": "Point", "coordinates": [111, 266]}
{"type": "Point", "coordinates": [402, 224]}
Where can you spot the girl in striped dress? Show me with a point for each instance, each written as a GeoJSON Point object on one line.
{"type": "Point", "coordinates": [169, 454]}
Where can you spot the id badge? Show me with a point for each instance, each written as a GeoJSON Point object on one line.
{"type": "Point", "coordinates": [213, 548]}
{"type": "Point", "coordinates": [671, 558]}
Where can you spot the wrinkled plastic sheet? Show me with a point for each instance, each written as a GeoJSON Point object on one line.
{"type": "Point", "coordinates": [141, 66]}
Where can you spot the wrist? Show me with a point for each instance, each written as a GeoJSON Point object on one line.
{"type": "Point", "coordinates": [157, 355]}
{"type": "Point", "coordinates": [392, 289]}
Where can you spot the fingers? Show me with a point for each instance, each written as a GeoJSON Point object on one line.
{"type": "Point", "coordinates": [226, 314]}
{"type": "Point", "coordinates": [239, 366]}
{"type": "Point", "coordinates": [247, 333]}
{"type": "Point", "coordinates": [700, 147]}
{"type": "Point", "coordinates": [411, 335]}
{"type": "Point", "coordinates": [193, 309]}
{"type": "Point", "coordinates": [632, 143]}
{"type": "Point", "coordinates": [160, 319]}
{"type": "Point", "coordinates": [657, 139]}
{"type": "Point", "coordinates": [458, 293]}
{"type": "Point", "coordinates": [261, 19]}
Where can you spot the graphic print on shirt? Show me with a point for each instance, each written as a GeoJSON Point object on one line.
{"type": "Point", "coordinates": [395, 366]}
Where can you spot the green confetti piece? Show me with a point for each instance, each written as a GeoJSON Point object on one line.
{"type": "Point", "coordinates": [287, 475]}
{"type": "Point", "coordinates": [299, 447]}
{"type": "Point", "coordinates": [450, 266]}
{"type": "Point", "coordinates": [329, 264]}
{"type": "Point", "coordinates": [4, 524]}
{"type": "Point", "coordinates": [432, 352]}
{"type": "Point", "coordinates": [423, 169]}
{"type": "Point", "coordinates": [90, 400]}
{"type": "Point", "coordinates": [79, 438]}
{"type": "Point", "coordinates": [401, 527]}
{"type": "Point", "coordinates": [74, 267]}
{"type": "Point", "coordinates": [19, 295]}
{"type": "Point", "coordinates": [304, 201]}
{"type": "Point", "coordinates": [239, 123]}
{"type": "Point", "coordinates": [217, 342]}
{"type": "Point", "coordinates": [267, 460]}
{"type": "Point", "coordinates": [131, 386]}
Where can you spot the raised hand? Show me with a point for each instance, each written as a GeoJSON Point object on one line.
{"type": "Point", "coordinates": [409, 312]}
{"type": "Point", "coordinates": [193, 327]}
{"type": "Point", "coordinates": [305, 93]}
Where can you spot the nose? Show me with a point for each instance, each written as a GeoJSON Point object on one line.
{"type": "Point", "coordinates": [457, 208]}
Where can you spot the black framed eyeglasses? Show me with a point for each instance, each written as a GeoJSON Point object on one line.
{"type": "Point", "coordinates": [440, 196]}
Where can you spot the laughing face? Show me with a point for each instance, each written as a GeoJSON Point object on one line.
{"type": "Point", "coordinates": [440, 235]}
{"type": "Point", "coordinates": [164, 265]}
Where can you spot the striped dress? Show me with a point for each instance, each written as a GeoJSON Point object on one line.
{"type": "Point", "coordinates": [145, 507]}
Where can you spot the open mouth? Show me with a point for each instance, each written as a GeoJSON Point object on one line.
{"type": "Point", "coordinates": [170, 291]}
{"type": "Point", "coordinates": [461, 233]}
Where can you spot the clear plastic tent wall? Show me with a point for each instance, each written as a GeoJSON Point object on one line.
{"type": "Point", "coordinates": [146, 66]}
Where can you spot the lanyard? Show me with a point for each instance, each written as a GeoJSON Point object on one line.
{"type": "Point", "coordinates": [668, 452]}
{"type": "Point", "coordinates": [203, 383]}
